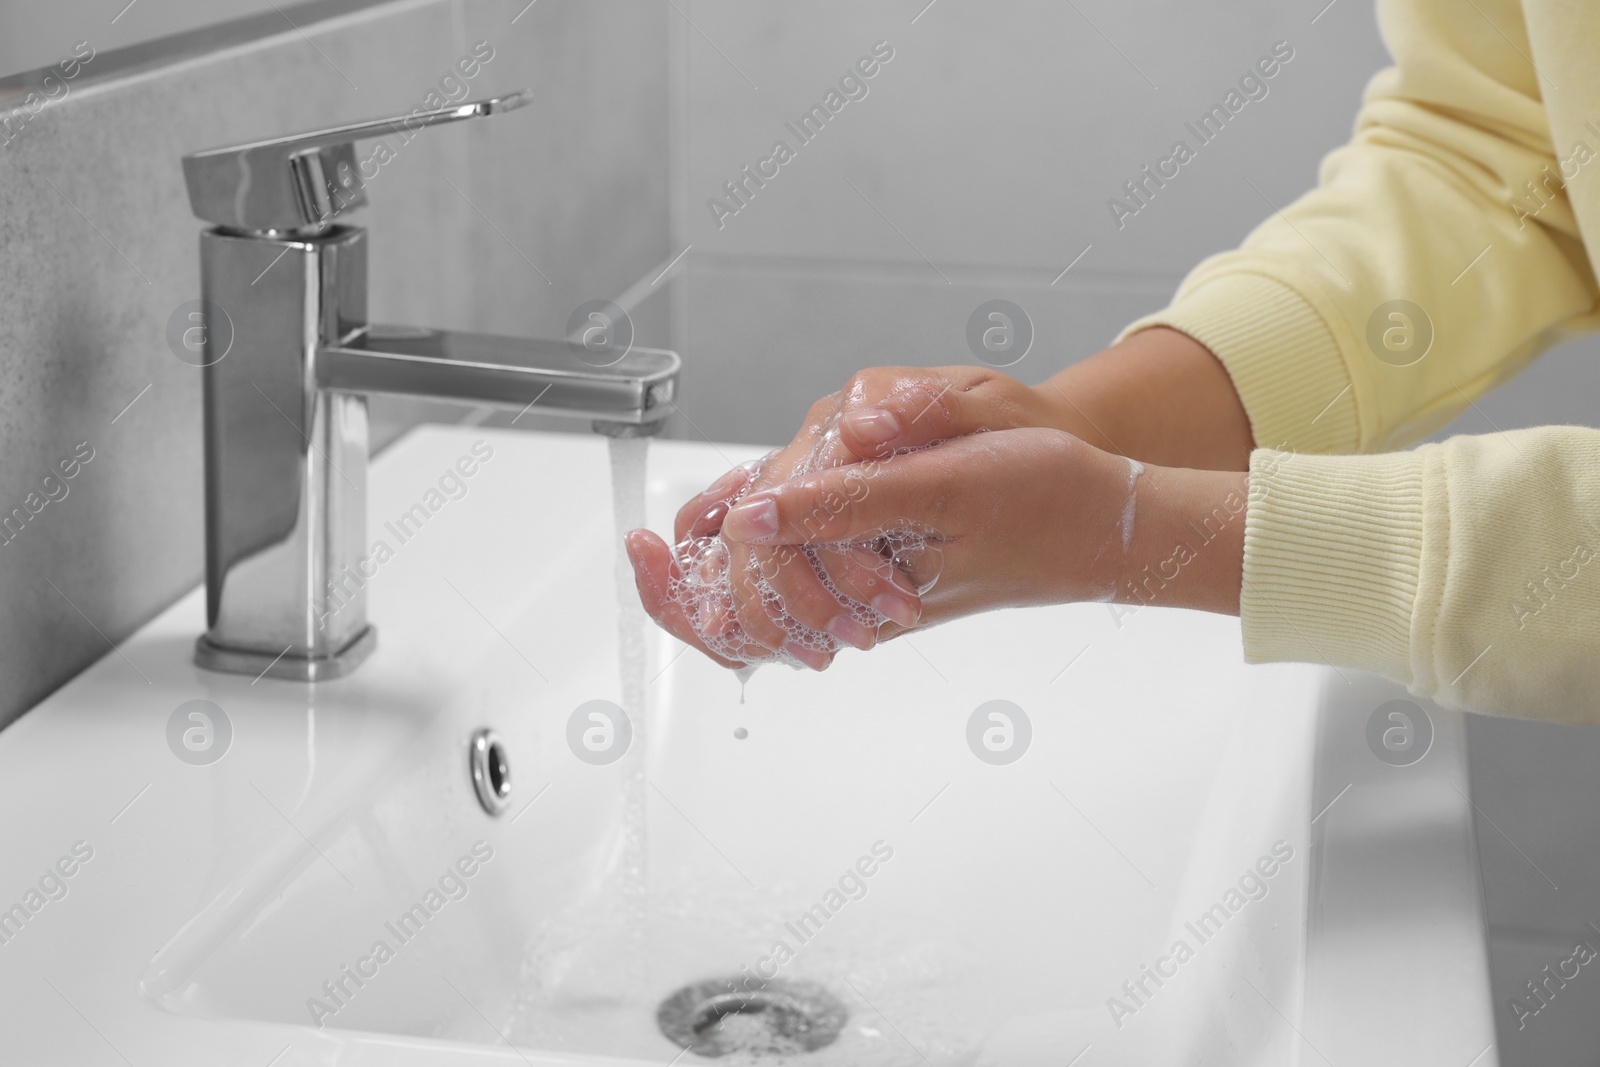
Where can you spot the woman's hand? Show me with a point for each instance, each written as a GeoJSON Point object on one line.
{"type": "Point", "coordinates": [880, 411]}
{"type": "Point", "coordinates": [1015, 517]}
{"type": "Point", "coordinates": [1158, 396]}
{"type": "Point", "coordinates": [1027, 516]}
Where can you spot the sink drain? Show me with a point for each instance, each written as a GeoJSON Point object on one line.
{"type": "Point", "coordinates": [716, 1017]}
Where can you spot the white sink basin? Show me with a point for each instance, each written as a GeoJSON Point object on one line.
{"type": "Point", "coordinates": [1005, 906]}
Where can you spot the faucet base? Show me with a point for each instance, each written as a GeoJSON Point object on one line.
{"type": "Point", "coordinates": [214, 657]}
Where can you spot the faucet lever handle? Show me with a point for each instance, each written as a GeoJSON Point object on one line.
{"type": "Point", "coordinates": [306, 179]}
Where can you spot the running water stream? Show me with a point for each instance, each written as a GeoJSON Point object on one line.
{"type": "Point", "coordinates": [629, 457]}
{"type": "Point", "coordinates": [589, 959]}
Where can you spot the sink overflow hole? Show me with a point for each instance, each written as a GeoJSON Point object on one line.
{"type": "Point", "coordinates": [491, 771]}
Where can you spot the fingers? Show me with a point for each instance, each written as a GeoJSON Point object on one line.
{"type": "Point", "coordinates": [858, 502]}
{"type": "Point", "coordinates": [653, 567]}
{"type": "Point", "coordinates": [819, 596]}
{"type": "Point", "coordinates": [802, 587]}
{"type": "Point", "coordinates": [780, 593]}
{"type": "Point", "coordinates": [753, 572]}
{"type": "Point", "coordinates": [867, 577]}
{"type": "Point", "coordinates": [810, 446]}
{"type": "Point", "coordinates": [701, 515]}
{"type": "Point", "coordinates": [815, 442]}
{"type": "Point", "coordinates": [891, 408]}
{"type": "Point", "coordinates": [746, 625]}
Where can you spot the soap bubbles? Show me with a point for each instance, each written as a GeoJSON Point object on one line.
{"type": "Point", "coordinates": [907, 553]}
{"type": "Point", "coordinates": [704, 588]}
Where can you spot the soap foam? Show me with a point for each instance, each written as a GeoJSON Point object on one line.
{"type": "Point", "coordinates": [703, 583]}
{"type": "Point", "coordinates": [1135, 468]}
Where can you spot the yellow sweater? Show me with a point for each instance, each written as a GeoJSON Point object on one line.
{"type": "Point", "coordinates": [1445, 246]}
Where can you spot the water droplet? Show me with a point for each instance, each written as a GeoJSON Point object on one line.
{"type": "Point", "coordinates": [744, 675]}
{"type": "Point", "coordinates": [741, 733]}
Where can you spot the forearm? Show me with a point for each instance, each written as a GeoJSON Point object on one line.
{"type": "Point", "coordinates": [1159, 397]}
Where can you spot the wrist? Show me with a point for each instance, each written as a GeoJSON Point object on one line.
{"type": "Point", "coordinates": [1066, 404]}
{"type": "Point", "coordinates": [1158, 396]}
{"type": "Point", "coordinates": [1185, 540]}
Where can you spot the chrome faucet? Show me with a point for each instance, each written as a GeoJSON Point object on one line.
{"type": "Point", "coordinates": [289, 359]}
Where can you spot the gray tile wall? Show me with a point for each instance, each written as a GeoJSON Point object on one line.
{"type": "Point", "coordinates": [978, 166]}
{"type": "Point", "coordinates": [98, 247]}
{"type": "Point", "coordinates": [34, 35]}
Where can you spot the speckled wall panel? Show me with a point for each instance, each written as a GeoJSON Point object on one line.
{"type": "Point", "coordinates": [98, 247]}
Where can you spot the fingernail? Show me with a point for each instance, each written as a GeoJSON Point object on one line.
{"type": "Point", "coordinates": [897, 609]}
{"type": "Point", "coordinates": [851, 632]}
{"type": "Point", "coordinates": [710, 520]}
{"type": "Point", "coordinates": [755, 519]}
{"type": "Point", "coordinates": [811, 657]}
{"type": "Point", "coordinates": [874, 425]}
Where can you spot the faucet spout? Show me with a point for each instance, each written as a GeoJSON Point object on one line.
{"type": "Point", "coordinates": [289, 360]}
{"type": "Point", "coordinates": [627, 387]}
{"type": "Point", "coordinates": [286, 435]}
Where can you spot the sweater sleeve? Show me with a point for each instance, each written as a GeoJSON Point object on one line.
{"type": "Point", "coordinates": [1469, 570]}
{"type": "Point", "coordinates": [1433, 261]}
{"type": "Point", "coordinates": [1436, 257]}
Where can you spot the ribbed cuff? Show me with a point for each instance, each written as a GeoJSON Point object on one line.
{"type": "Point", "coordinates": [1281, 356]}
{"type": "Point", "coordinates": [1332, 550]}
